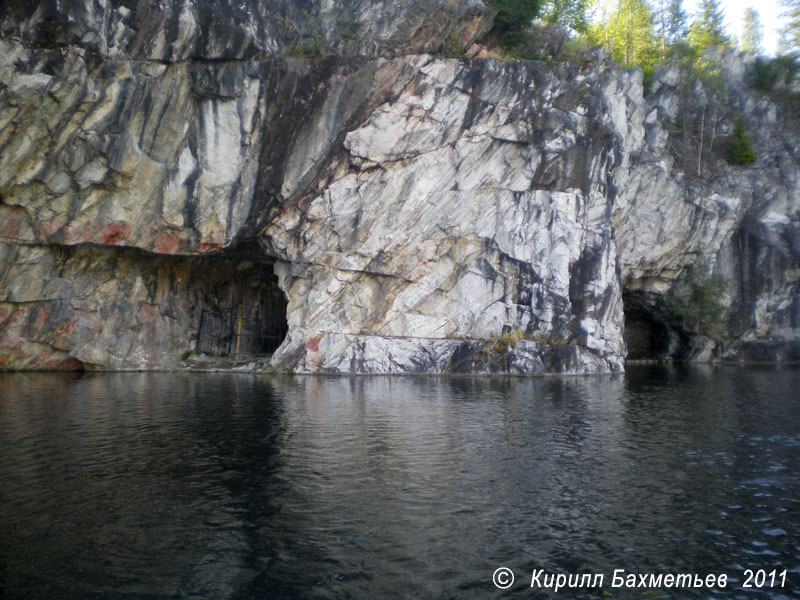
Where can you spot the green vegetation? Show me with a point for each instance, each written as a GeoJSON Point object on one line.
{"type": "Point", "coordinates": [570, 14]}
{"type": "Point", "coordinates": [306, 49]}
{"type": "Point", "coordinates": [575, 48]}
{"type": "Point", "coordinates": [777, 78]}
{"type": "Point", "coordinates": [709, 28]}
{"type": "Point", "coordinates": [674, 20]}
{"type": "Point", "coordinates": [507, 341]}
{"type": "Point", "coordinates": [764, 75]}
{"type": "Point", "coordinates": [698, 307]}
{"type": "Point", "coordinates": [513, 20]}
{"type": "Point", "coordinates": [740, 151]}
{"type": "Point", "coordinates": [497, 347]}
{"type": "Point", "coordinates": [701, 114]}
{"type": "Point", "coordinates": [636, 33]}
{"type": "Point", "coordinates": [625, 30]}
{"type": "Point", "coordinates": [647, 33]}
{"type": "Point", "coordinates": [772, 74]}
{"type": "Point", "coordinates": [644, 34]}
{"type": "Point", "coordinates": [185, 356]}
{"type": "Point", "coordinates": [550, 339]}
{"type": "Point", "coordinates": [454, 48]}
{"type": "Point", "coordinates": [752, 35]}
{"type": "Point", "coordinates": [790, 35]}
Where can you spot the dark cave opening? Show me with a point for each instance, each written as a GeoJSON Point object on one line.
{"type": "Point", "coordinates": [649, 334]}
{"type": "Point", "coordinates": [125, 308]}
{"type": "Point", "coordinates": [244, 310]}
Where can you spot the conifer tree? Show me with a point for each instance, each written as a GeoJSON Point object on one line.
{"type": "Point", "coordinates": [567, 13]}
{"type": "Point", "coordinates": [626, 31]}
{"type": "Point", "coordinates": [676, 21]}
{"type": "Point", "coordinates": [513, 19]}
{"type": "Point", "coordinates": [669, 21]}
{"type": "Point", "coordinates": [660, 21]}
{"type": "Point", "coordinates": [790, 35]}
{"type": "Point", "coordinates": [740, 151]}
{"type": "Point", "coordinates": [752, 35]}
{"type": "Point", "coordinates": [709, 28]}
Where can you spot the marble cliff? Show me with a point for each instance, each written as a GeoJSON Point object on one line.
{"type": "Point", "coordinates": [397, 210]}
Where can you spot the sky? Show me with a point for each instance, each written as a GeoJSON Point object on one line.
{"type": "Point", "coordinates": [769, 13]}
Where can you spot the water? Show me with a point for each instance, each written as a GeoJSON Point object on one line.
{"type": "Point", "coordinates": [238, 486]}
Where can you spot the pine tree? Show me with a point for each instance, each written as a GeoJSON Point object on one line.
{"type": "Point", "coordinates": [752, 35]}
{"type": "Point", "coordinates": [669, 21]}
{"type": "Point", "coordinates": [790, 35]}
{"type": "Point", "coordinates": [513, 19]}
{"type": "Point", "coordinates": [662, 11]}
{"type": "Point", "coordinates": [740, 150]}
{"type": "Point", "coordinates": [676, 21]}
{"type": "Point", "coordinates": [709, 28]}
{"type": "Point", "coordinates": [626, 31]}
{"type": "Point", "coordinates": [567, 13]}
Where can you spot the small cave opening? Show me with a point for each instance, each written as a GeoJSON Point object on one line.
{"type": "Point", "coordinates": [648, 333]}
{"type": "Point", "coordinates": [243, 310]}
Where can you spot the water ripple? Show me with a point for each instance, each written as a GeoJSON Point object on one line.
{"type": "Point", "coordinates": [222, 486]}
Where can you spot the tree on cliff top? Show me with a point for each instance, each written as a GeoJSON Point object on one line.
{"type": "Point", "coordinates": [669, 22]}
{"type": "Point", "coordinates": [567, 13]}
{"type": "Point", "coordinates": [790, 35]}
{"type": "Point", "coordinates": [625, 30]}
{"type": "Point", "coordinates": [513, 19]}
{"type": "Point", "coordinates": [752, 35]}
{"type": "Point", "coordinates": [676, 21]}
{"type": "Point", "coordinates": [709, 28]}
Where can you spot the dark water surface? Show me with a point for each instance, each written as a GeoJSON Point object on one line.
{"type": "Point", "coordinates": [240, 486]}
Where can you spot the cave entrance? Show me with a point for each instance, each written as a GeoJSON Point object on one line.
{"type": "Point", "coordinates": [648, 333]}
{"type": "Point", "coordinates": [245, 313]}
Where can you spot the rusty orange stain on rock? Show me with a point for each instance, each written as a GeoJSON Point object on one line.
{"type": "Point", "coordinates": [167, 242]}
{"type": "Point", "coordinates": [51, 226]}
{"type": "Point", "coordinates": [14, 221]}
{"type": "Point", "coordinates": [113, 233]}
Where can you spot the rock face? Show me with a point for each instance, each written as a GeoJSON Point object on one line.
{"type": "Point", "coordinates": [422, 214]}
{"type": "Point", "coordinates": [743, 223]}
{"type": "Point", "coordinates": [464, 209]}
{"type": "Point", "coordinates": [69, 306]}
{"type": "Point", "coordinates": [172, 31]}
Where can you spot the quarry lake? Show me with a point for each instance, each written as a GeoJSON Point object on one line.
{"type": "Point", "coordinates": [218, 486]}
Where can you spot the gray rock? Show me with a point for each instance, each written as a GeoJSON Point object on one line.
{"type": "Point", "coordinates": [423, 215]}
{"type": "Point", "coordinates": [179, 30]}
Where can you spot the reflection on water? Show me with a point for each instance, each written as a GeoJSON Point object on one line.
{"type": "Point", "coordinates": [239, 486]}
